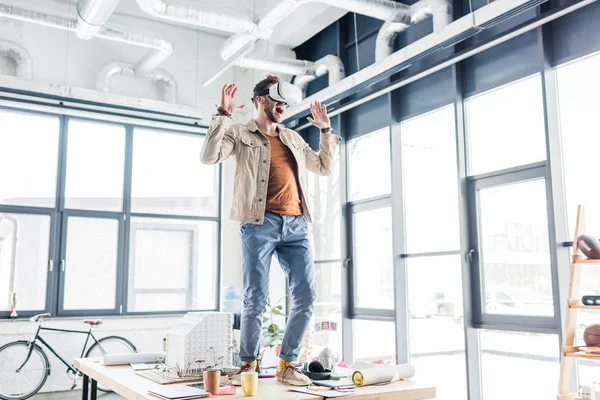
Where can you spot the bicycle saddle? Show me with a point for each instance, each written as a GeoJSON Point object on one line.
{"type": "Point", "coordinates": [36, 318]}
{"type": "Point", "coordinates": [92, 322]}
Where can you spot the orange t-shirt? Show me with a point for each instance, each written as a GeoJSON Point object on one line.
{"type": "Point", "coordinates": [283, 195]}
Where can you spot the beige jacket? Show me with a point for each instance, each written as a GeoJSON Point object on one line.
{"type": "Point", "coordinates": [252, 152]}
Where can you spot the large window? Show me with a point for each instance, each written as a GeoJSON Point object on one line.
{"type": "Point", "coordinates": [529, 361]}
{"type": "Point", "coordinates": [506, 127]}
{"type": "Point", "coordinates": [28, 159]}
{"type": "Point", "coordinates": [104, 218]}
{"type": "Point", "coordinates": [158, 157]}
{"type": "Point", "coordinates": [434, 277]}
{"type": "Point", "coordinates": [95, 166]}
{"type": "Point", "coordinates": [24, 255]}
{"type": "Point", "coordinates": [369, 166]}
{"type": "Point", "coordinates": [371, 247]}
{"type": "Point", "coordinates": [325, 197]}
{"type": "Point", "coordinates": [509, 248]}
{"type": "Point", "coordinates": [578, 88]}
{"type": "Point", "coordinates": [172, 265]}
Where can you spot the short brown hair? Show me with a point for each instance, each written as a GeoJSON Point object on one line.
{"type": "Point", "coordinates": [266, 83]}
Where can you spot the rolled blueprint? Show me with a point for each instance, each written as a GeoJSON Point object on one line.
{"type": "Point", "coordinates": [382, 374]}
{"type": "Point", "coordinates": [133, 358]}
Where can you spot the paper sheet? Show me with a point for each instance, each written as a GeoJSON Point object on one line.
{"type": "Point", "coordinates": [382, 374]}
{"type": "Point", "coordinates": [328, 394]}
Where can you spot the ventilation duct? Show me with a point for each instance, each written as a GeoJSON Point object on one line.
{"type": "Point", "coordinates": [21, 57]}
{"type": "Point", "coordinates": [305, 71]}
{"type": "Point", "coordinates": [112, 69]}
{"type": "Point", "coordinates": [159, 49]}
{"type": "Point", "coordinates": [195, 15]}
{"type": "Point", "coordinates": [457, 31]}
{"type": "Point", "coordinates": [329, 64]}
{"type": "Point", "coordinates": [281, 65]}
{"type": "Point", "coordinates": [92, 15]}
{"type": "Point", "coordinates": [386, 10]}
{"type": "Point", "coordinates": [439, 10]}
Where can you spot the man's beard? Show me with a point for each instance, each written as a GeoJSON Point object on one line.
{"type": "Point", "coordinates": [271, 114]}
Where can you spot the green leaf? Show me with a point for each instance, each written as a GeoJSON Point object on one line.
{"type": "Point", "coordinates": [279, 308]}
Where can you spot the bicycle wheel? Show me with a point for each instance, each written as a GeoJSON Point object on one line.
{"type": "Point", "coordinates": [110, 345]}
{"type": "Point", "coordinates": [16, 382]}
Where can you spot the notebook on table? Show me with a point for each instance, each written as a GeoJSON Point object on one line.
{"type": "Point", "coordinates": [332, 383]}
{"type": "Point", "coordinates": [178, 392]}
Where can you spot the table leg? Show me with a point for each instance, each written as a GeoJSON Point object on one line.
{"type": "Point", "coordinates": [94, 389]}
{"type": "Point", "coordinates": [84, 392]}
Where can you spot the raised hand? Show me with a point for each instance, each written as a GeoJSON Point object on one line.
{"type": "Point", "coordinates": [319, 115]}
{"type": "Point", "coordinates": [228, 99]}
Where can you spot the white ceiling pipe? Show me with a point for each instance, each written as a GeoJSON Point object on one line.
{"type": "Point", "coordinates": [160, 48]}
{"type": "Point", "coordinates": [92, 15]}
{"type": "Point", "coordinates": [330, 64]}
{"type": "Point", "coordinates": [475, 20]}
{"type": "Point", "coordinates": [112, 69]}
{"type": "Point", "coordinates": [439, 10]}
{"type": "Point", "coordinates": [385, 10]}
{"type": "Point", "coordinates": [282, 65]}
{"type": "Point", "coordinates": [23, 61]}
{"type": "Point", "coordinates": [198, 16]}
{"type": "Point", "coordinates": [384, 44]}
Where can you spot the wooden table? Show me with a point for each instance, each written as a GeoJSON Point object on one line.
{"type": "Point", "coordinates": [125, 382]}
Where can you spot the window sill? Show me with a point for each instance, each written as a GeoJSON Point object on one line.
{"type": "Point", "coordinates": [111, 323]}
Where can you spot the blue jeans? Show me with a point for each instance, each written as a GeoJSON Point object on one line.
{"type": "Point", "coordinates": [286, 236]}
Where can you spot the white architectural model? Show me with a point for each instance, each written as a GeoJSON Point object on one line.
{"type": "Point", "coordinates": [193, 336]}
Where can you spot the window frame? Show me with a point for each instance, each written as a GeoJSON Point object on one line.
{"type": "Point", "coordinates": [58, 214]}
{"type": "Point", "coordinates": [482, 319]}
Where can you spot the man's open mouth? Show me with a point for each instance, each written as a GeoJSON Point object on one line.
{"type": "Point", "coordinates": [279, 110]}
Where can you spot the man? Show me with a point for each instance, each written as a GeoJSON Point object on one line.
{"type": "Point", "coordinates": [269, 200]}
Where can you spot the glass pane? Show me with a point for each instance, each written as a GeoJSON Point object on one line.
{"type": "Point", "coordinates": [579, 85]}
{"type": "Point", "coordinates": [436, 305]}
{"type": "Point", "coordinates": [185, 248]}
{"type": "Point", "coordinates": [429, 155]}
{"type": "Point", "coordinates": [515, 252]}
{"type": "Point", "coordinates": [168, 177]}
{"type": "Point", "coordinates": [327, 317]}
{"type": "Point", "coordinates": [373, 259]}
{"type": "Point", "coordinates": [518, 365]}
{"type": "Point", "coordinates": [91, 264]}
{"type": "Point", "coordinates": [24, 244]}
{"type": "Point", "coordinates": [324, 195]}
{"type": "Point", "coordinates": [95, 165]}
{"type": "Point", "coordinates": [28, 159]}
{"type": "Point", "coordinates": [506, 127]}
{"type": "Point", "coordinates": [374, 340]}
{"type": "Point", "coordinates": [370, 165]}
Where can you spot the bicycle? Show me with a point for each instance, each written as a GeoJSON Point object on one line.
{"type": "Point", "coordinates": [24, 366]}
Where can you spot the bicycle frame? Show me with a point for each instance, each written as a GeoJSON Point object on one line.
{"type": "Point", "coordinates": [70, 367]}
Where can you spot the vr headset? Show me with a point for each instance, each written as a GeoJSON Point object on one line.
{"type": "Point", "coordinates": [282, 92]}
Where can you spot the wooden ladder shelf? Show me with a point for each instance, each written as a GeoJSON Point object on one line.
{"type": "Point", "coordinates": [571, 352]}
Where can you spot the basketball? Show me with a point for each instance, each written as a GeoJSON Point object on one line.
{"type": "Point", "coordinates": [590, 246]}
{"type": "Point", "coordinates": [591, 335]}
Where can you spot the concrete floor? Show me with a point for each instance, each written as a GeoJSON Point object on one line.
{"type": "Point", "coordinates": [74, 395]}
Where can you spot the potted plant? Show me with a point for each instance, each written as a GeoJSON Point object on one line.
{"type": "Point", "coordinates": [272, 333]}
{"type": "Point", "coordinates": [212, 374]}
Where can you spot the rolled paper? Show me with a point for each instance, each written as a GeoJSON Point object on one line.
{"type": "Point", "coordinates": [383, 374]}
{"type": "Point", "coordinates": [133, 358]}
